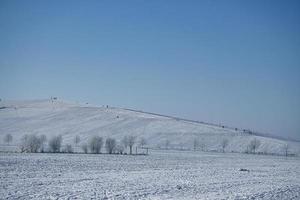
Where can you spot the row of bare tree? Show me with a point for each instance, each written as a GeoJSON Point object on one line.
{"type": "Point", "coordinates": [96, 143]}
{"type": "Point", "coordinates": [36, 143]}
{"type": "Point", "coordinates": [252, 147]}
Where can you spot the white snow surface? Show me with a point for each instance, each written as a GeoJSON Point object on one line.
{"type": "Point", "coordinates": [160, 175]}
{"type": "Point", "coordinates": [54, 117]}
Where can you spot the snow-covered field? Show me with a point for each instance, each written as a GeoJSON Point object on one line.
{"type": "Point", "coordinates": [161, 175]}
{"type": "Point", "coordinates": [165, 174]}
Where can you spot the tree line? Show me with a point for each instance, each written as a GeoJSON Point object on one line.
{"type": "Point", "coordinates": [39, 143]}
{"type": "Point", "coordinates": [32, 143]}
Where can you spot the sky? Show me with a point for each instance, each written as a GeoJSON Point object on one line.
{"type": "Point", "coordinates": [230, 62]}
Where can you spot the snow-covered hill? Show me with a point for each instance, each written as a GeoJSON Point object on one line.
{"type": "Point", "coordinates": [54, 117]}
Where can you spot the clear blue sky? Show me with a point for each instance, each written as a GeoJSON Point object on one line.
{"type": "Point", "coordinates": [230, 62]}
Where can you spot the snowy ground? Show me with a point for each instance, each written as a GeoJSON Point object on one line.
{"type": "Point", "coordinates": [161, 175]}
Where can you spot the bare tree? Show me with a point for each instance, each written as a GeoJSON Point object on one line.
{"type": "Point", "coordinates": [181, 146]}
{"type": "Point", "coordinates": [96, 144]}
{"type": "Point", "coordinates": [34, 143]}
{"type": "Point", "coordinates": [84, 147]}
{"type": "Point", "coordinates": [119, 148]}
{"type": "Point", "coordinates": [195, 144]}
{"type": "Point", "coordinates": [68, 148]}
{"type": "Point", "coordinates": [110, 145]}
{"type": "Point", "coordinates": [55, 143]}
{"type": "Point", "coordinates": [202, 145]}
{"type": "Point", "coordinates": [77, 140]}
{"type": "Point", "coordinates": [224, 144]}
{"type": "Point", "coordinates": [43, 140]}
{"type": "Point", "coordinates": [125, 142]}
{"type": "Point", "coordinates": [8, 138]}
{"type": "Point", "coordinates": [30, 143]}
{"type": "Point", "coordinates": [254, 144]}
{"type": "Point", "coordinates": [167, 144]}
{"type": "Point", "coordinates": [131, 141]}
{"type": "Point", "coordinates": [142, 142]}
{"type": "Point", "coordinates": [286, 149]}
{"type": "Point", "coordinates": [23, 145]}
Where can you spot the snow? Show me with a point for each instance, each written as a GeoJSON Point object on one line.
{"type": "Point", "coordinates": [54, 117]}
{"type": "Point", "coordinates": [161, 175]}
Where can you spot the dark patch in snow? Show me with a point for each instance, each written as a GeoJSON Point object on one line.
{"type": "Point", "coordinates": [244, 170]}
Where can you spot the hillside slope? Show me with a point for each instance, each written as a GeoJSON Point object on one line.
{"type": "Point", "coordinates": [69, 119]}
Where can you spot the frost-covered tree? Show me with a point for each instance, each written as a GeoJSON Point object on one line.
{"type": "Point", "coordinates": [224, 144]}
{"type": "Point", "coordinates": [254, 145]}
{"type": "Point", "coordinates": [125, 142]}
{"type": "Point", "coordinates": [34, 143]}
{"type": "Point", "coordinates": [68, 148]}
{"type": "Point", "coordinates": [195, 144]}
{"type": "Point", "coordinates": [84, 148]}
{"type": "Point", "coordinates": [142, 142]}
{"type": "Point", "coordinates": [43, 140]}
{"type": "Point", "coordinates": [120, 148]}
{"type": "Point", "coordinates": [95, 144]}
{"type": "Point", "coordinates": [181, 145]}
{"type": "Point", "coordinates": [131, 142]}
{"type": "Point", "coordinates": [167, 144]}
{"type": "Point", "coordinates": [31, 143]}
{"type": "Point", "coordinates": [8, 138]}
{"type": "Point", "coordinates": [202, 145]}
{"type": "Point", "coordinates": [55, 143]}
{"type": "Point", "coordinates": [77, 140]}
{"type": "Point", "coordinates": [23, 145]}
{"type": "Point", "coordinates": [286, 149]}
{"type": "Point", "coordinates": [110, 145]}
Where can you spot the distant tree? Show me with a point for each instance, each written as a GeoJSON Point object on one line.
{"type": "Point", "coordinates": [84, 147]}
{"type": "Point", "coordinates": [181, 145]}
{"type": "Point", "coordinates": [125, 142]}
{"type": "Point", "coordinates": [224, 144]}
{"type": "Point", "coordinates": [202, 145]}
{"type": "Point", "coordinates": [55, 143]}
{"type": "Point", "coordinates": [254, 145]}
{"type": "Point", "coordinates": [195, 144]}
{"type": "Point", "coordinates": [265, 150]}
{"type": "Point", "coordinates": [120, 148]}
{"type": "Point", "coordinates": [68, 148]}
{"type": "Point", "coordinates": [8, 138]}
{"type": "Point", "coordinates": [142, 142]}
{"type": "Point", "coordinates": [110, 145]}
{"type": "Point", "coordinates": [23, 145]}
{"type": "Point", "coordinates": [131, 141]}
{"type": "Point", "coordinates": [43, 140]}
{"type": "Point", "coordinates": [95, 144]}
{"type": "Point", "coordinates": [31, 143]}
{"type": "Point", "coordinates": [167, 144]}
{"type": "Point", "coordinates": [286, 149]}
{"type": "Point", "coordinates": [77, 140]}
